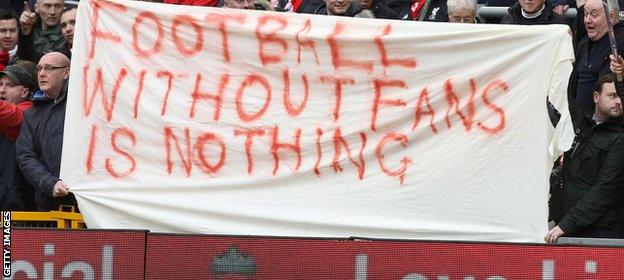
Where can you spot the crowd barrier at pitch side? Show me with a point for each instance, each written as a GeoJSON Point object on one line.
{"type": "Point", "coordinates": [132, 254]}
{"type": "Point", "coordinates": [65, 217]}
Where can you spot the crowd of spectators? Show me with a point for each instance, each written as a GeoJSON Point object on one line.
{"type": "Point", "coordinates": [587, 200]}
{"type": "Point", "coordinates": [35, 50]}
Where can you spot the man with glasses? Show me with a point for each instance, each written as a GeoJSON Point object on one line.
{"type": "Point", "coordinates": [41, 33]}
{"type": "Point", "coordinates": [39, 145]}
{"type": "Point", "coordinates": [462, 11]}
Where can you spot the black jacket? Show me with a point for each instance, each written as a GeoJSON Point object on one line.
{"type": "Point", "coordinates": [591, 198]}
{"type": "Point", "coordinates": [514, 16]}
{"type": "Point", "coordinates": [392, 9]}
{"type": "Point", "coordinates": [34, 45]}
{"type": "Point", "coordinates": [437, 11]}
{"type": "Point", "coordinates": [10, 192]}
{"type": "Point", "coordinates": [38, 150]}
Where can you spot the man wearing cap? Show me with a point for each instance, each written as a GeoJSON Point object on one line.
{"type": "Point", "coordinates": [16, 85]}
{"type": "Point", "coordinates": [40, 142]}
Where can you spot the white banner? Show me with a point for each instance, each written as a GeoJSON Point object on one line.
{"type": "Point", "coordinates": [205, 120]}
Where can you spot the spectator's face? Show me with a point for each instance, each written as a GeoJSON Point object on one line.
{"type": "Point", "coordinates": [51, 81]}
{"type": "Point", "coordinates": [8, 34]}
{"type": "Point", "coordinates": [337, 7]}
{"type": "Point", "coordinates": [49, 11]}
{"type": "Point", "coordinates": [608, 103]}
{"type": "Point", "coordinates": [366, 4]}
{"type": "Point", "coordinates": [595, 20]}
{"type": "Point", "coordinates": [11, 92]}
{"type": "Point", "coordinates": [462, 16]}
{"type": "Point", "coordinates": [68, 21]}
{"type": "Point", "coordinates": [239, 4]}
{"type": "Point", "coordinates": [531, 6]}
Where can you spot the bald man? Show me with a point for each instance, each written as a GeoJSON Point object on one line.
{"type": "Point", "coordinates": [41, 32]}
{"type": "Point", "coordinates": [40, 142]}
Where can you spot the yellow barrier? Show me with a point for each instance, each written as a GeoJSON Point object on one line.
{"type": "Point", "coordinates": [65, 217]}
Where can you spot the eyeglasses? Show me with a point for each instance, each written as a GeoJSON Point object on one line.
{"type": "Point", "coordinates": [48, 68]}
{"type": "Point", "coordinates": [463, 19]}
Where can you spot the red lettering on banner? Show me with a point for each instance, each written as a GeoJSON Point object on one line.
{"type": "Point", "coordinates": [221, 21]}
{"type": "Point", "coordinates": [276, 147]}
{"type": "Point", "coordinates": [270, 37]}
{"type": "Point", "coordinates": [290, 109]}
{"type": "Point", "coordinates": [136, 31]}
{"type": "Point", "coordinates": [169, 76]}
{"type": "Point", "coordinates": [340, 142]}
{"type": "Point", "coordinates": [137, 97]}
{"type": "Point", "coordinates": [108, 162]}
{"type": "Point", "coordinates": [184, 157]}
{"type": "Point", "coordinates": [385, 61]}
{"type": "Point", "coordinates": [179, 43]}
{"type": "Point", "coordinates": [424, 97]}
{"type": "Point", "coordinates": [218, 97]}
{"type": "Point", "coordinates": [399, 172]}
{"type": "Point", "coordinates": [249, 81]}
{"type": "Point", "coordinates": [338, 83]}
{"type": "Point", "coordinates": [249, 134]}
{"type": "Point", "coordinates": [379, 84]}
{"type": "Point", "coordinates": [200, 160]}
{"type": "Point", "coordinates": [308, 43]}
{"type": "Point", "coordinates": [337, 59]}
{"type": "Point", "coordinates": [109, 107]}
{"type": "Point", "coordinates": [497, 84]}
{"type": "Point", "coordinates": [91, 151]}
{"type": "Point", "coordinates": [319, 151]}
{"type": "Point", "coordinates": [453, 102]}
{"type": "Point", "coordinates": [97, 33]}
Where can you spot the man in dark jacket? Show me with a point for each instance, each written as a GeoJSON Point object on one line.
{"type": "Point", "coordinates": [41, 32]}
{"type": "Point", "coordinates": [16, 85]}
{"type": "Point", "coordinates": [40, 142]}
{"type": "Point", "coordinates": [593, 50]}
{"type": "Point", "coordinates": [532, 12]}
{"type": "Point", "coordinates": [590, 202]}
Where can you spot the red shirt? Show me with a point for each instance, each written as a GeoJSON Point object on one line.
{"type": "Point", "coordinates": [4, 59]}
{"type": "Point", "coordinates": [11, 116]}
{"type": "Point", "coordinates": [207, 3]}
